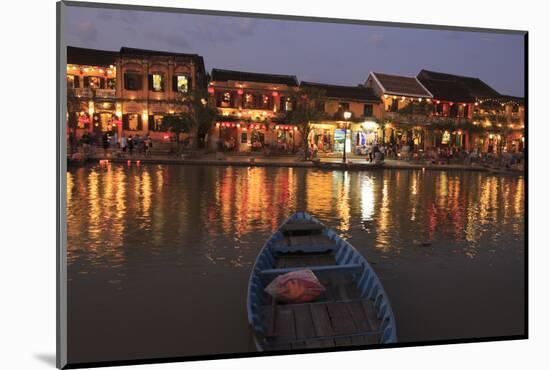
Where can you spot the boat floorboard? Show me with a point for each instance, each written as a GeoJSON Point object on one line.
{"type": "Point", "coordinates": [322, 324]}
{"type": "Point", "coordinates": [339, 317]}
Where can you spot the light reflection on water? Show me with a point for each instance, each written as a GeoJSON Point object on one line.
{"type": "Point", "coordinates": [178, 214]}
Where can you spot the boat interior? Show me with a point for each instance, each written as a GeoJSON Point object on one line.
{"type": "Point", "coordinates": [340, 316]}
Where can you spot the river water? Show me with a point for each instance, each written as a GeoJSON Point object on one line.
{"type": "Point", "coordinates": [159, 255]}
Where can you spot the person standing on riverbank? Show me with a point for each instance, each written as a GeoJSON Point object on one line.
{"type": "Point", "coordinates": [130, 145]}
{"type": "Point", "coordinates": [105, 143]}
{"type": "Point", "coordinates": [123, 144]}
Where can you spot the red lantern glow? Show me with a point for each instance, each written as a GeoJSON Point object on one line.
{"type": "Point", "coordinates": [275, 93]}
{"type": "Point", "coordinates": [210, 90]}
{"type": "Point", "coordinates": [240, 91]}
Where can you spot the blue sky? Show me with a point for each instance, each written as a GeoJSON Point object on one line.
{"type": "Point", "coordinates": [320, 52]}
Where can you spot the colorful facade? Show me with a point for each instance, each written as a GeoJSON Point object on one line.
{"type": "Point", "coordinates": [129, 91]}
{"type": "Point", "coordinates": [356, 131]}
{"type": "Point", "coordinates": [251, 112]}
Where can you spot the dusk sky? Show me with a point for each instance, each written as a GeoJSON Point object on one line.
{"type": "Point", "coordinates": [319, 52]}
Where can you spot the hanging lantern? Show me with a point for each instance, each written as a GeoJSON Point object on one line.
{"type": "Point", "coordinates": [211, 90]}
{"type": "Point", "coordinates": [240, 91]}
{"type": "Point", "coordinates": [275, 93]}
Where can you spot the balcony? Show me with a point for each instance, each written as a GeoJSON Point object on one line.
{"type": "Point", "coordinates": [450, 120]}
{"type": "Point", "coordinates": [82, 92]}
{"type": "Point", "coordinates": [410, 118]}
{"type": "Point", "coordinates": [105, 93]}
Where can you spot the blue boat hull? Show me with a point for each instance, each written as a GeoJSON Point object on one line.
{"type": "Point", "coordinates": [346, 261]}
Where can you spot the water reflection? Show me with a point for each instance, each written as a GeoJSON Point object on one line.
{"type": "Point", "coordinates": [120, 216]}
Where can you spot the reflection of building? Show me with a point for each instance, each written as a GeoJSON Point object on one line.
{"type": "Point", "coordinates": [407, 104]}
{"type": "Point", "coordinates": [150, 85]}
{"type": "Point", "coordinates": [329, 134]}
{"type": "Point", "coordinates": [251, 110]}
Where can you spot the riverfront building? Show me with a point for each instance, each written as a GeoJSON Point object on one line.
{"type": "Point", "coordinates": [251, 112]}
{"type": "Point", "coordinates": [128, 91]}
{"type": "Point", "coordinates": [359, 129]}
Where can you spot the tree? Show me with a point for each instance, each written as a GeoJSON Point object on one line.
{"type": "Point", "coordinates": [200, 115]}
{"type": "Point", "coordinates": [305, 111]}
{"type": "Point", "coordinates": [177, 123]}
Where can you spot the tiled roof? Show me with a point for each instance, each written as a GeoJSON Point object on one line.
{"type": "Point", "coordinates": [344, 92]}
{"type": "Point", "coordinates": [227, 75]}
{"type": "Point", "coordinates": [136, 51]}
{"type": "Point", "coordinates": [90, 57]}
{"type": "Point", "coordinates": [400, 85]}
{"type": "Point", "coordinates": [475, 87]}
{"type": "Point", "coordinates": [447, 90]}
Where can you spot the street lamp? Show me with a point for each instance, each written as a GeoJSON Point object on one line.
{"type": "Point", "coordinates": [347, 116]}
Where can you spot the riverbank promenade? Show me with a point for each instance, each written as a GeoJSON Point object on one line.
{"type": "Point", "coordinates": [353, 163]}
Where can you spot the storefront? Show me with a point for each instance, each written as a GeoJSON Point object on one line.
{"type": "Point", "coordinates": [258, 136]}
{"type": "Point", "coordinates": [363, 136]}
{"type": "Point", "coordinates": [285, 138]}
{"type": "Point", "coordinates": [322, 136]}
{"type": "Point", "coordinates": [228, 138]}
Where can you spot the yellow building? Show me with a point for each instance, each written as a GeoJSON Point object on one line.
{"type": "Point", "coordinates": [356, 130]}
{"type": "Point", "coordinates": [127, 92]}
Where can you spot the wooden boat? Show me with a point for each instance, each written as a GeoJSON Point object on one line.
{"type": "Point", "coordinates": [354, 309]}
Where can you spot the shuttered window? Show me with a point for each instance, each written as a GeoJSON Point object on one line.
{"type": "Point", "coordinates": [132, 81]}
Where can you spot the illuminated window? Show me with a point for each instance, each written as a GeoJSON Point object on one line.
{"type": "Point", "coordinates": [182, 84]}
{"type": "Point", "coordinates": [156, 82]}
{"type": "Point", "coordinates": [70, 82]}
{"type": "Point", "coordinates": [224, 99]}
{"type": "Point", "coordinates": [133, 121]}
{"type": "Point", "coordinates": [446, 137]}
{"type": "Point", "coordinates": [157, 123]}
{"type": "Point", "coordinates": [343, 106]}
{"type": "Point", "coordinates": [249, 101]}
{"type": "Point", "coordinates": [111, 83]}
{"type": "Point", "coordinates": [265, 102]}
{"type": "Point", "coordinates": [93, 82]}
{"type": "Point", "coordinates": [286, 104]}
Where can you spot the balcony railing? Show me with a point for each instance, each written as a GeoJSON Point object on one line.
{"type": "Point", "coordinates": [82, 92]}
{"type": "Point", "coordinates": [105, 93]}
{"type": "Point", "coordinates": [86, 92]}
{"type": "Point", "coordinates": [422, 119]}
